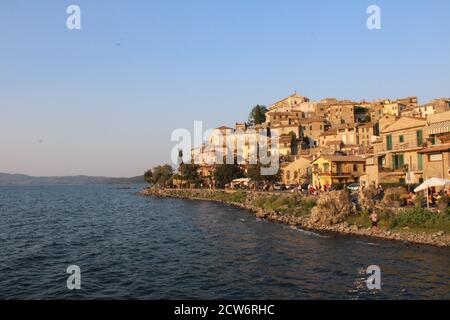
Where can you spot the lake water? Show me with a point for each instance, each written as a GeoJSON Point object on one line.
{"type": "Point", "coordinates": [130, 247]}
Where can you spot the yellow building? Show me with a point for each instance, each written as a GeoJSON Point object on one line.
{"type": "Point", "coordinates": [332, 169]}
{"type": "Point", "coordinates": [393, 108]}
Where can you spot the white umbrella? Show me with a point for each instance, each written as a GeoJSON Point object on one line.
{"type": "Point", "coordinates": [433, 182]}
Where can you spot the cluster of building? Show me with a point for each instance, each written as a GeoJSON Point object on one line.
{"type": "Point", "coordinates": [335, 141]}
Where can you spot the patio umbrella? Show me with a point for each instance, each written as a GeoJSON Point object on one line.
{"type": "Point", "coordinates": [433, 182]}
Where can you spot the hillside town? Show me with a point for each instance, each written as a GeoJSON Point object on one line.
{"type": "Point", "coordinates": [376, 168]}
{"type": "Point", "coordinates": [335, 142]}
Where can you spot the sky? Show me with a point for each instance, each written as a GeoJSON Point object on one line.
{"type": "Point", "coordinates": [104, 100]}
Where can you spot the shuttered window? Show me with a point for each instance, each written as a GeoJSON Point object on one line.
{"type": "Point", "coordinates": [398, 161]}
{"type": "Point", "coordinates": [419, 134]}
{"type": "Point", "coordinates": [420, 161]}
{"type": "Point", "coordinates": [389, 142]}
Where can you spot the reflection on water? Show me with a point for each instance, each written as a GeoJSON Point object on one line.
{"type": "Point", "coordinates": [147, 248]}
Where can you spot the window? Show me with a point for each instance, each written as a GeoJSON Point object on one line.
{"type": "Point", "coordinates": [401, 138]}
{"type": "Point", "coordinates": [419, 134]}
{"type": "Point", "coordinates": [433, 140]}
{"type": "Point", "coordinates": [397, 161]}
{"type": "Point", "coordinates": [389, 142]}
{"type": "Point", "coordinates": [420, 161]}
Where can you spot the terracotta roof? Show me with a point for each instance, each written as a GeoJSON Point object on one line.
{"type": "Point", "coordinates": [328, 133]}
{"type": "Point", "coordinates": [404, 123]}
{"type": "Point", "coordinates": [335, 158]}
{"type": "Point", "coordinates": [224, 127]}
{"type": "Point", "coordinates": [334, 143]}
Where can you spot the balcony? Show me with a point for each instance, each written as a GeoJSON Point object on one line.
{"type": "Point", "coordinates": [336, 173]}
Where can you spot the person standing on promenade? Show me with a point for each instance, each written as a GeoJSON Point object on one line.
{"type": "Point", "coordinates": [374, 219]}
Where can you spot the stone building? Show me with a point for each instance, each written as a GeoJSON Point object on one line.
{"type": "Point", "coordinates": [297, 172]}
{"type": "Point", "coordinates": [366, 132]}
{"type": "Point", "coordinates": [311, 129]}
{"type": "Point", "coordinates": [433, 107]}
{"type": "Point", "coordinates": [396, 156]}
{"type": "Point", "coordinates": [327, 137]}
{"type": "Point", "coordinates": [436, 155]}
{"type": "Point", "coordinates": [348, 133]}
{"type": "Point", "coordinates": [341, 113]}
{"type": "Point", "coordinates": [293, 102]}
{"type": "Point", "coordinates": [285, 145]}
{"type": "Point", "coordinates": [408, 101]}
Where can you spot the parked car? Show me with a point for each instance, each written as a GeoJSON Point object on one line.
{"type": "Point", "coordinates": [279, 186]}
{"type": "Point", "coordinates": [354, 187]}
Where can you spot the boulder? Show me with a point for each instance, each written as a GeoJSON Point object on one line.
{"type": "Point", "coordinates": [332, 208]}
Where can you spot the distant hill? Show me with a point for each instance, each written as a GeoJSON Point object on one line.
{"type": "Point", "coordinates": [7, 179]}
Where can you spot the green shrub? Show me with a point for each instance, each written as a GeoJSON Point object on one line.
{"type": "Point", "coordinates": [421, 218]}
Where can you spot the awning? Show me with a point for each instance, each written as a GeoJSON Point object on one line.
{"type": "Point", "coordinates": [437, 128]}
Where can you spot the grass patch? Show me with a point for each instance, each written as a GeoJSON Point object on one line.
{"type": "Point", "coordinates": [238, 197]}
{"type": "Point", "coordinates": [362, 219]}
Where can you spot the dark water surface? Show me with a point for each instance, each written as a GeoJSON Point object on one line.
{"type": "Point", "coordinates": [147, 248]}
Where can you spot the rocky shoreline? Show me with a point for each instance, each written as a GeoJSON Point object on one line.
{"type": "Point", "coordinates": [439, 239]}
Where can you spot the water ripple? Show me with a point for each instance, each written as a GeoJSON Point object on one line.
{"type": "Point", "coordinates": [130, 247]}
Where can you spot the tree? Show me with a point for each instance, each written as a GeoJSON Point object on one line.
{"type": "Point", "coordinates": [254, 173]}
{"type": "Point", "coordinates": [162, 174]}
{"type": "Point", "coordinates": [306, 142]}
{"type": "Point", "coordinates": [257, 115]}
{"type": "Point", "coordinates": [189, 173]}
{"type": "Point", "coordinates": [148, 176]}
{"type": "Point", "coordinates": [293, 142]}
{"type": "Point", "coordinates": [225, 173]}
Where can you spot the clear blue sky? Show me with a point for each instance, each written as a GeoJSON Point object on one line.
{"type": "Point", "coordinates": [104, 100]}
